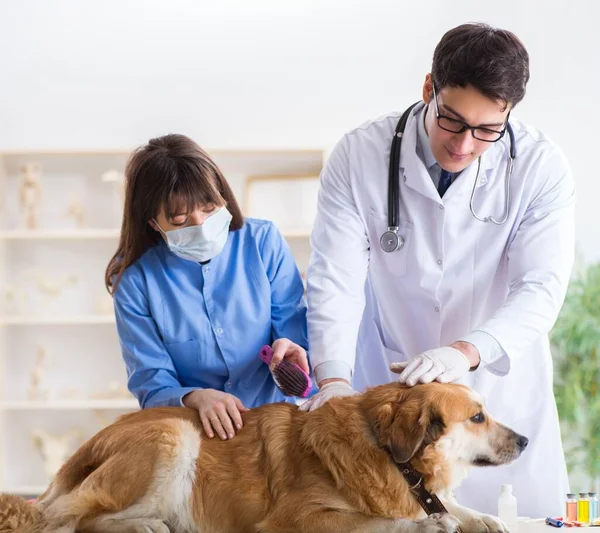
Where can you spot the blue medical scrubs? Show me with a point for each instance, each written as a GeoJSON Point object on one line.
{"type": "Point", "coordinates": [184, 325]}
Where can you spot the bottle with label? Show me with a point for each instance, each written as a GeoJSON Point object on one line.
{"type": "Point", "coordinates": [507, 507]}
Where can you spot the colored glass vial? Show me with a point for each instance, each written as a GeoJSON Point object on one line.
{"type": "Point", "coordinates": [593, 506]}
{"type": "Point", "coordinates": [571, 507]}
{"type": "Point", "coordinates": [583, 508]}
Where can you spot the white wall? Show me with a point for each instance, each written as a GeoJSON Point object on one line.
{"type": "Point", "coordinates": [275, 73]}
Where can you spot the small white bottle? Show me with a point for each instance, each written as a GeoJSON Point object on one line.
{"type": "Point", "coordinates": [507, 507]}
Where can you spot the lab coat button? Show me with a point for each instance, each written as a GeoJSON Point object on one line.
{"type": "Point", "coordinates": [441, 207]}
{"type": "Point", "coordinates": [437, 309]}
{"type": "Point", "coordinates": [439, 262]}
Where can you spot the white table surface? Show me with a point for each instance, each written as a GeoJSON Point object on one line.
{"type": "Point", "coordinates": [540, 526]}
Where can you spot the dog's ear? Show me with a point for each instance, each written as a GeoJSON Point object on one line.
{"type": "Point", "coordinates": [405, 426]}
{"type": "Point", "coordinates": [407, 430]}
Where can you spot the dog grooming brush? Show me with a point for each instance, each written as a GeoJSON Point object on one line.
{"type": "Point", "coordinates": [288, 377]}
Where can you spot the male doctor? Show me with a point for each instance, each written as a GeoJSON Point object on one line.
{"type": "Point", "coordinates": [462, 299]}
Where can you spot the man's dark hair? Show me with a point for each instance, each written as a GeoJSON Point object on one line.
{"type": "Point", "coordinates": [493, 61]}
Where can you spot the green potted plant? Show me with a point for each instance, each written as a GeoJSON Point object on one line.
{"type": "Point", "coordinates": [576, 348]}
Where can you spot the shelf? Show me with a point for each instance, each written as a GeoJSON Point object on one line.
{"type": "Point", "coordinates": [60, 234]}
{"type": "Point", "coordinates": [69, 405]}
{"type": "Point", "coordinates": [316, 152]}
{"type": "Point", "coordinates": [82, 234]}
{"type": "Point", "coordinates": [56, 320]}
{"type": "Point", "coordinates": [297, 233]}
{"type": "Point", "coordinates": [24, 490]}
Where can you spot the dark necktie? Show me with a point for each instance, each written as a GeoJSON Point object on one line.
{"type": "Point", "coordinates": [445, 182]}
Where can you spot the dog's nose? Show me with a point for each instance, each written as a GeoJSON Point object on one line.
{"type": "Point", "coordinates": [522, 442]}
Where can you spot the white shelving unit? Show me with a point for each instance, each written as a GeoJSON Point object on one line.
{"type": "Point", "coordinates": [69, 405]}
{"type": "Point", "coordinates": [53, 301]}
{"type": "Point", "coordinates": [92, 234]}
{"type": "Point", "coordinates": [74, 234]}
{"type": "Point", "coordinates": [56, 320]}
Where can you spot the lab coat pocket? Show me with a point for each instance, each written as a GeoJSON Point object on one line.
{"type": "Point", "coordinates": [388, 262]}
{"type": "Point", "coordinates": [185, 357]}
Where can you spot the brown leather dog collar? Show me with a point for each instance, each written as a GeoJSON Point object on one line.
{"type": "Point", "coordinates": [429, 502]}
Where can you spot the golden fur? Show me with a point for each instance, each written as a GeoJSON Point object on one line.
{"type": "Point", "coordinates": [330, 470]}
{"type": "Point", "coordinates": [18, 515]}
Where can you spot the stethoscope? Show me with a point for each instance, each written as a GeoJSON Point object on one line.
{"type": "Point", "coordinates": [391, 240]}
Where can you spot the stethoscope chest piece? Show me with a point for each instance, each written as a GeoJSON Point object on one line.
{"type": "Point", "coordinates": [391, 241]}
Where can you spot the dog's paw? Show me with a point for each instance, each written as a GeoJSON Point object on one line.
{"type": "Point", "coordinates": [483, 523]}
{"type": "Point", "coordinates": [438, 523]}
{"type": "Point", "coordinates": [156, 526]}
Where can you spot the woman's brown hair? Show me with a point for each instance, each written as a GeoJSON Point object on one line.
{"type": "Point", "coordinates": [170, 172]}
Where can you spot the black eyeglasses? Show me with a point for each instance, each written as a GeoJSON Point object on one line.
{"type": "Point", "coordinates": [457, 126]}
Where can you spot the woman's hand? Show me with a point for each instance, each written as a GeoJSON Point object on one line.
{"type": "Point", "coordinates": [219, 411]}
{"type": "Point", "coordinates": [286, 349]}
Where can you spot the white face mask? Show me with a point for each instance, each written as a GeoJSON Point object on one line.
{"type": "Point", "coordinates": [201, 242]}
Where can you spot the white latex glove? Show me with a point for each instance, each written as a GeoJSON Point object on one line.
{"type": "Point", "coordinates": [443, 364]}
{"type": "Point", "coordinates": [333, 389]}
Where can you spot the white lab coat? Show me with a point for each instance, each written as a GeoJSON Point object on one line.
{"type": "Point", "coordinates": [454, 275]}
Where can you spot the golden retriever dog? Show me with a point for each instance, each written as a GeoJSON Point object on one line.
{"type": "Point", "coordinates": [332, 470]}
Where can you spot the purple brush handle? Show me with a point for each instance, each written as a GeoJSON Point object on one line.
{"type": "Point", "coordinates": [266, 356]}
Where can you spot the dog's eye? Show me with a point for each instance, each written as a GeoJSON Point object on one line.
{"type": "Point", "coordinates": [478, 418]}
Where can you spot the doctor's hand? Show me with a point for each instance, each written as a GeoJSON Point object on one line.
{"type": "Point", "coordinates": [294, 353]}
{"type": "Point", "coordinates": [219, 411]}
{"type": "Point", "coordinates": [444, 364]}
{"type": "Point", "coordinates": [328, 390]}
